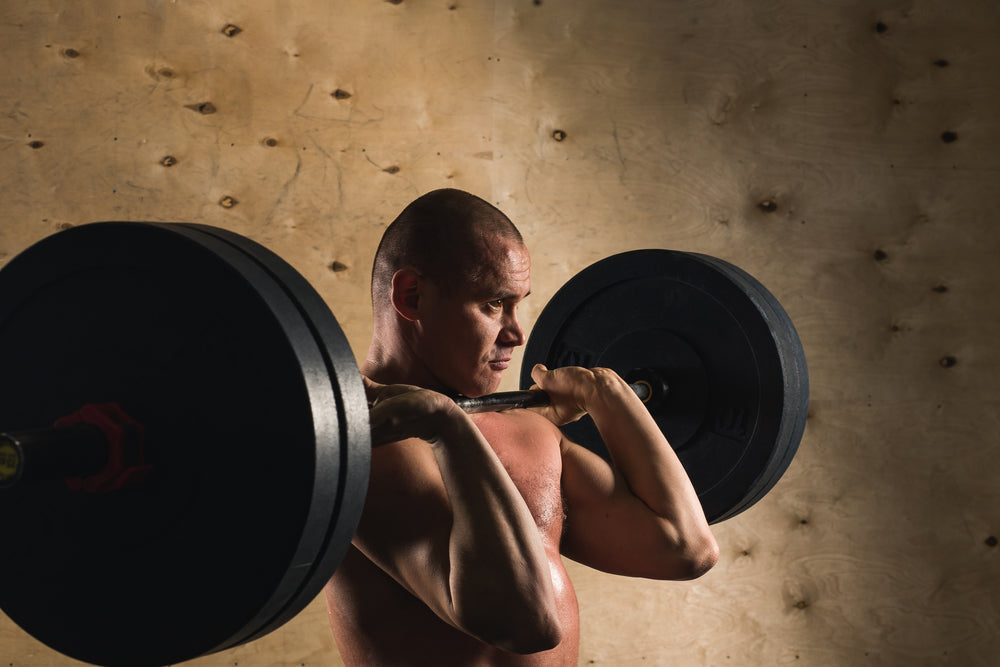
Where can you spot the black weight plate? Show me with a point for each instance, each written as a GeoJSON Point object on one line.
{"type": "Point", "coordinates": [253, 429]}
{"type": "Point", "coordinates": [734, 364]}
{"type": "Point", "coordinates": [795, 377]}
{"type": "Point", "coordinates": [336, 508]}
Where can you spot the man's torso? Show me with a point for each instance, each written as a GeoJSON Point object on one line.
{"type": "Point", "coordinates": [376, 621]}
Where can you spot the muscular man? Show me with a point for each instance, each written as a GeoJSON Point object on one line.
{"type": "Point", "coordinates": [456, 560]}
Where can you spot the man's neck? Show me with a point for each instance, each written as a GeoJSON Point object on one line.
{"type": "Point", "coordinates": [396, 364]}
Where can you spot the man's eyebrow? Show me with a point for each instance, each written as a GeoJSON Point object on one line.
{"type": "Point", "coordinates": [504, 296]}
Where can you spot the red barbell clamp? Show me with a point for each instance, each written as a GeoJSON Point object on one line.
{"type": "Point", "coordinates": [126, 465]}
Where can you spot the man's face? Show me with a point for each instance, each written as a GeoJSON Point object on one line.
{"type": "Point", "coordinates": [469, 331]}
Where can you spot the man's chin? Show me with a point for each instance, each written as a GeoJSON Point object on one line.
{"type": "Point", "coordinates": [483, 389]}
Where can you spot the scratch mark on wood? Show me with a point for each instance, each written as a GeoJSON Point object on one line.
{"type": "Point", "coordinates": [618, 145]}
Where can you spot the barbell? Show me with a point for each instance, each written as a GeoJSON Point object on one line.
{"type": "Point", "coordinates": [210, 461]}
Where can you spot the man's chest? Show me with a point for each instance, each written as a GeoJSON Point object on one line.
{"type": "Point", "coordinates": [532, 459]}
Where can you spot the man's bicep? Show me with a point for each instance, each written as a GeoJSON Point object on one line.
{"type": "Point", "coordinates": [607, 527]}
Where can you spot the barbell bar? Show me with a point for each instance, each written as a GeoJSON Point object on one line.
{"type": "Point", "coordinates": [529, 398]}
{"type": "Point", "coordinates": [235, 379]}
{"type": "Point", "coordinates": [84, 451]}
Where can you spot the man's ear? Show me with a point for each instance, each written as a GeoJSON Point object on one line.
{"type": "Point", "coordinates": [406, 294]}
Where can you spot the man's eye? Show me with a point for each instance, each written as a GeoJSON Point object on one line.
{"type": "Point", "coordinates": [496, 304]}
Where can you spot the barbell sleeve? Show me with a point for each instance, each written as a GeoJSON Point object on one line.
{"type": "Point", "coordinates": [51, 453]}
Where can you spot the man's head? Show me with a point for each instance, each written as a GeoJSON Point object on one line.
{"type": "Point", "coordinates": [447, 278]}
{"type": "Point", "coordinates": [447, 235]}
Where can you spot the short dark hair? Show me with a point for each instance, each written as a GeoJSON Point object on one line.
{"type": "Point", "coordinates": [445, 235]}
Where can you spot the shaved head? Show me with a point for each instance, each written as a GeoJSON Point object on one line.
{"type": "Point", "coordinates": [448, 236]}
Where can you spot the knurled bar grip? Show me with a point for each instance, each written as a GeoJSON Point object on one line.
{"type": "Point", "coordinates": [529, 398]}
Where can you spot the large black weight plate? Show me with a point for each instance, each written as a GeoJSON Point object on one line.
{"type": "Point", "coordinates": [257, 428]}
{"type": "Point", "coordinates": [739, 387]}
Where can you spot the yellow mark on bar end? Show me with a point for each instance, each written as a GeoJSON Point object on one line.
{"type": "Point", "coordinates": [10, 462]}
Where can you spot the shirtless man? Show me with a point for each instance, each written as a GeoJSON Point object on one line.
{"type": "Point", "coordinates": [456, 560]}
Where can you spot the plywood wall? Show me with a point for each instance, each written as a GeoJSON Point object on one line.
{"type": "Point", "coordinates": [847, 153]}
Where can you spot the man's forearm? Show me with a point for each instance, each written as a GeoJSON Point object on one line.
{"type": "Point", "coordinates": [500, 581]}
{"type": "Point", "coordinates": [484, 568]}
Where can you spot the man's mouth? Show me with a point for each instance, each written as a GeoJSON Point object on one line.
{"type": "Point", "coordinates": [500, 364]}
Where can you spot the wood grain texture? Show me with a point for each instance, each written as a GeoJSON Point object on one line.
{"type": "Point", "coordinates": [846, 153]}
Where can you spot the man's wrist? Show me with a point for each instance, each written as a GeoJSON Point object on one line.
{"type": "Point", "coordinates": [451, 423]}
{"type": "Point", "coordinates": [607, 390]}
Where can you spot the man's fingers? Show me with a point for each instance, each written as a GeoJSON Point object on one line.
{"type": "Point", "coordinates": [372, 389]}
{"type": "Point", "coordinates": [376, 392]}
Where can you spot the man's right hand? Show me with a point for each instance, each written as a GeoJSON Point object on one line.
{"type": "Point", "coordinates": [401, 411]}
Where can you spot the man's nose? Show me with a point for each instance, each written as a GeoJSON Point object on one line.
{"type": "Point", "coordinates": [512, 334]}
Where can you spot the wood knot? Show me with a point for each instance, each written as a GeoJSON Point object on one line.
{"type": "Point", "coordinates": [949, 137]}
{"type": "Point", "coordinates": [391, 170]}
{"type": "Point", "coordinates": [270, 141]}
{"type": "Point", "coordinates": [168, 161]}
{"type": "Point", "coordinates": [71, 53]}
{"type": "Point", "coordinates": [881, 28]}
{"type": "Point", "coordinates": [558, 135]}
{"type": "Point", "coordinates": [228, 202]}
{"type": "Point", "coordinates": [204, 108]}
{"type": "Point", "coordinates": [231, 30]}
{"type": "Point", "coordinates": [768, 206]}
{"type": "Point", "coordinates": [948, 362]}
{"type": "Point", "coordinates": [337, 267]}
{"type": "Point", "coordinates": [36, 144]}
{"type": "Point", "coordinates": [340, 94]}
{"type": "Point", "coordinates": [880, 255]}
{"type": "Point", "coordinates": [991, 541]}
